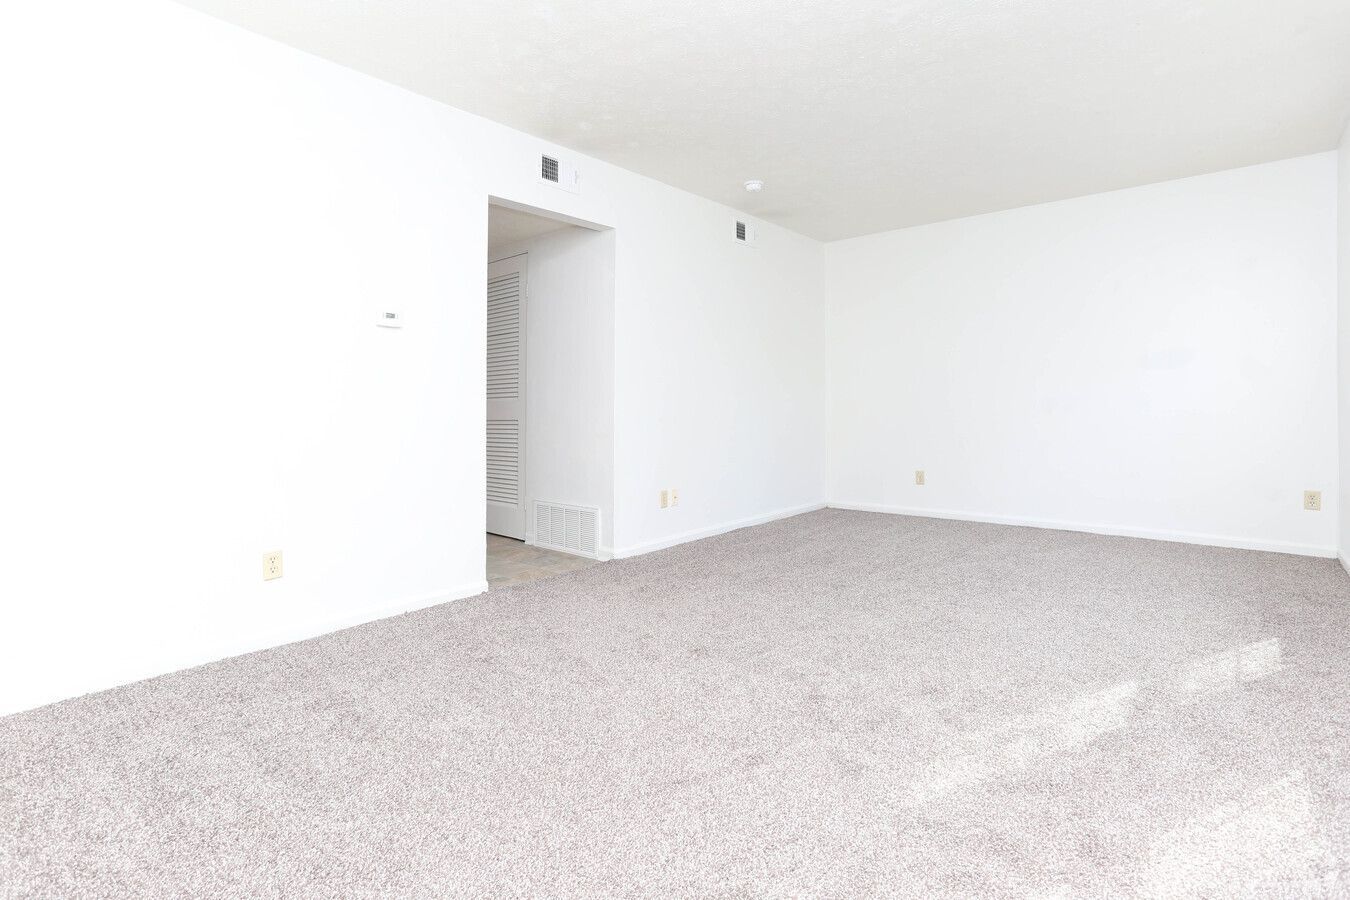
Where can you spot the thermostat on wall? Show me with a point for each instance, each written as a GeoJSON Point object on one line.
{"type": "Point", "coordinates": [390, 320]}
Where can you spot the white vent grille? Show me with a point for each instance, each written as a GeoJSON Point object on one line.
{"type": "Point", "coordinates": [548, 169]}
{"type": "Point", "coordinates": [573, 529]}
{"type": "Point", "coordinates": [742, 232]}
{"type": "Point", "coordinates": [503, 337]}
{"type": "Point", "coordinates": [560, 173]}
{"type": "Point", "coordinates": [503, 461]}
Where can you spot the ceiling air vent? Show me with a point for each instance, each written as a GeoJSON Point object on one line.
{"type": "Point", "coordinates": [572, 529]}
{"type": "Point", "coordinates": [743, 232]}
{"type": "Point", "coordinates": [548, 169]}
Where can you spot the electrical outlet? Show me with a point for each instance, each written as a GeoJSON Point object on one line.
{"type": "Point", "coordinates": [271, 565]}
{"type": "Point", "coordinates": [1312, 500]}
{"type": "Point", "coordinates": [674, 496]}
{"type": "Point", "coordinates": [665, 498]}
{"type": "Point", "coordinates": [918, 476]}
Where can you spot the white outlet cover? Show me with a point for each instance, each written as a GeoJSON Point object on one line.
{"type": "Point", "coordinates": [390, 319]}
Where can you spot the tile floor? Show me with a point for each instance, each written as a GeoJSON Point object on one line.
{"type": "Point", "coordinates": [516, 562]}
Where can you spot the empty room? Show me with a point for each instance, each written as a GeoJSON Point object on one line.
{"type": "Point", "coordinates": [468, 449]}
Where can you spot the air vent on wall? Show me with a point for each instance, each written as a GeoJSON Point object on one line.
{"type": "Point", "coordinates": [548, 169]}
{"type": "Point", "coordinates": [560, 173]}
{"type": "Point", "coordinates": [742, 232]}
{"type": "Point", "coordinates": [572, 529]}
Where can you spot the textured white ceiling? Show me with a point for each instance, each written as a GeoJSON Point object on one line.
{"type": "Point", "coordinates": [508, 226]}
{"type": "Point", "coordinates": [865, 115]}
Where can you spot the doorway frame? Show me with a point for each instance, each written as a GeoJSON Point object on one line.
{"type": "Point", "coordinates": [596, 225]}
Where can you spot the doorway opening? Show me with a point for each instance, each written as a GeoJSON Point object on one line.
{"type": "Point", "coordinates": [549, 393]}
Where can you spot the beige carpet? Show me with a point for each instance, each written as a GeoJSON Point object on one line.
{"type": "Point", "coordinates": [840, 704]}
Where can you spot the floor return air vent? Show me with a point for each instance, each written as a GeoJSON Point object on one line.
{"type": "Point", "coordinates": [572, 529]}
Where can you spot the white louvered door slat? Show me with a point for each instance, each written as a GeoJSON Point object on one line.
{"type": "Point", "coordinates": [506, 397]}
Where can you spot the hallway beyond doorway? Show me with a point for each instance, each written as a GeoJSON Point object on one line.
{"type": "Point", "coordinates": [516, 562]}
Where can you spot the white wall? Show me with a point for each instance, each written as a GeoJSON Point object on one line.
{"type": "Point", "coordinates": [724, 401]}
{"type": "Point", "coordinates": [569, 371]}
{"type": "Point", "coordinates": [1157, 361]}
{"type": "Point", "coordinates": [1343, 328]}
{"type": "Point", "coordinates": [200, 225]}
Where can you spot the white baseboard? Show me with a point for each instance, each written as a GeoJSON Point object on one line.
{"type": "Point", "coordinates": [1182, 537]}
{"type": "Point", "coordinates": [98, 678]}
{"type": "Point", "coordinates": [382, 611]}
{"type": "Point", "coordinates": [1345, 564]}
{"type": "Point", "coordinates": [685, 537]}
{"type": "Point", "coordinates": [330, 624]}
{"type": "Point", "coordinates": [598, 554]}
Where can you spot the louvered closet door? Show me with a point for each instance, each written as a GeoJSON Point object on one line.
{"type": "Point", "coordinates": [506, 397]}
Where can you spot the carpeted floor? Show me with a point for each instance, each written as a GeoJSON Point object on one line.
{"type": "Point", "coordinates": [839, 704]}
